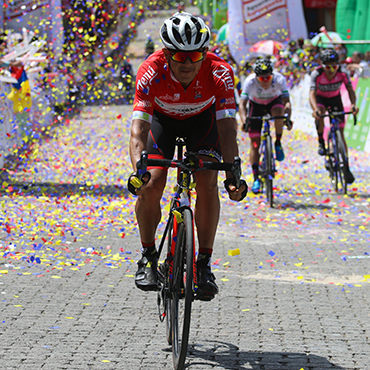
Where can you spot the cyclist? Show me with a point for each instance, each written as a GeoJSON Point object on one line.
{"type": "Point", "coordinates": [183, 91]}
{"type": "Point", "coordinates": [266, 92]}
{"type": "Point", "coordinates": [326, 81]}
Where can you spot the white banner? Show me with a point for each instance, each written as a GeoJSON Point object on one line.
{"type": "Point", "coordinates": [254, 20]}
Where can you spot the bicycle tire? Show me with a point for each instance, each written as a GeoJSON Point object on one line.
{"type": "Point", "coordinates": [332, 162]}
{"type": "Point", "coordinates": [269, 173]}
{"type": "Point", "coordinates": [182, 292]}
{"type": "Point", "coordinates": [342, 163]}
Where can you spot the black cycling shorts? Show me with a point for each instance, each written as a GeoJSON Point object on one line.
{"type": "Point", "coordinates": [255, 109]}
{"type": "Point", "coordinates": [199, 132]}
{"type": "Point", "coordinates": [336, 105]}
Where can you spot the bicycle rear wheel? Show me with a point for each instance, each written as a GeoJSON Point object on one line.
{"type": "Point", "coordinates": [342, 164]}
{"type": "Point", "coordinates": [269, 172]}
{"type": "Point", "coordinates": [182, 290]}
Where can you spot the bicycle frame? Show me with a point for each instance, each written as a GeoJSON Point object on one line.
{"type": "Point", "coordinates": [336, 157]}
{"type": "Point", "coordinates": [266, 132]}
{"type": "Point", "coordinates": [177, 277]}
{"type": "Point", "coordinates": [267, 167]}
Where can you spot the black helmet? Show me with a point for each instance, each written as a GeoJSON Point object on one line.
{"type": "Point", "coordinates": [329, 55]}
{"type": "Point", "coordinates": [262, 67]}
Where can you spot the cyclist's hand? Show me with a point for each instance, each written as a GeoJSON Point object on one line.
{"type": "Point", "coordinates": [316, 115]}
{"type": "Point", "coordinates": [234, 193]}
{"type": "Point", "coordinates": [354, 109]}
{"type": "Point", "coordinates": [135, 185]}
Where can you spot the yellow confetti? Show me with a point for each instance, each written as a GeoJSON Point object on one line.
{"type": "Point", "coordinates": [234, 252]}
{"type": "Point", "coordinates": [18, 305]}
{"type": "Point", "coordinates": [3, 271]}
{"type": "Point", "coordinates": [130, 275]}
{"type": "Point", "coordinates": [105, 361]}
{"type": "Point", "coordinates": [224, 279]}
{"type": "Point", "coordinates": [56, 277]}
{"type": "Point", "coordinates": [246, 309]}
{"type": "Point", "coordinates": [69, 318]}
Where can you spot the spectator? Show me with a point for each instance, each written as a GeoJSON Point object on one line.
{"type": "Point", "coordinates": [367, 57]}
{"type": "Point", "coordinates": [342, 52]}
{"type": "Point", "coordinates": [359, 66]}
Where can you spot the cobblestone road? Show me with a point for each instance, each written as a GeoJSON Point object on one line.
{"type": "Point", "coordinates": [295, 298]}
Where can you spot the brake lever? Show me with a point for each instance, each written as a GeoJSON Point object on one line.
{"type": "Point", "coordinates": [142, 164]}
{"type": "Point", "coordinates": [236, 171]}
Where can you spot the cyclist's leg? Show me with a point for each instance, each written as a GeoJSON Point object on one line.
{"type": "Point", "coordinates": [277, 109]}
{"type": "Point", "coordinates": [322, 105]}
{"type": "Point", "coordinates": [161, 143]}
{"type": "Point", "coordinates": [254, 132]}
{"type": "Point", "coordinates": [339, 106]}
{"type": "Point", "coordinates": [203, 139]}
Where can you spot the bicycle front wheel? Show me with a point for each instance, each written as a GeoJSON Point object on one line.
{"type": "Point", "coordinates": [269, 172]}
{"type": "Point", "coordinates": [332, 162]}
{"type": "Point", "coordinates": [167, 299]}
{"type": "Point", "coordinates": [182, 289]}
{"type": "Point", "coordinates": [342, 164]}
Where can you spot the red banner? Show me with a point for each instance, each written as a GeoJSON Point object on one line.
{"type": "Point", "coordinates": [320, 4]}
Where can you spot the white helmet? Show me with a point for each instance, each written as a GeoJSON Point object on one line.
{"type": "Point", "coordinates": [185, 32]}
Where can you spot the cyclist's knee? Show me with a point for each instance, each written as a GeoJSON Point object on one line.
{"type": "Point", "coordinates": [154, 188]}
{"type": "Point", "coordinates": [206, 182]}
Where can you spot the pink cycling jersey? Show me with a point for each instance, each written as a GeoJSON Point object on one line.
{"type": "Point", "coordinates": [158, 89]}
{"type": "Point", "coordinates": [329, 88]}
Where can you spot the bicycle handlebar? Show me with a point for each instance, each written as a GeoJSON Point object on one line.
{"type": "Point", "coordinates": [285, 117]}
{"type": "Point", "coordinates": [190, 164]}
{"type": "Point", "coordinates": [334, 114]}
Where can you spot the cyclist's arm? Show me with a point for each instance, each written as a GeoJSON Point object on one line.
{"type": "Point", "coordinates": [227, 130]}
{"type": "Point", "coordinates": [352, 98]}
{"type": "Point", "coordinates": [313, 103]}
{"type": "Point", "coordinates": [138, 140]}
{"type": "Point", "coordinates": [243, 110]}
{"type": "Point", "coordinates": [229, 147]}
{"type": "Point", "coordinates": [287, 106]}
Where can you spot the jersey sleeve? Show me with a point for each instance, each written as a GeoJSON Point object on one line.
{"type": "Point", "coordinates": [223, 77]}
{"type": "Point", "coordinates": [144, 93]}
{"type": "Point", "coordinates": [246, 88]}
{"type": "Point", "coordinates": [314, 76]}
{"type": "Point", "coordinates": [346, 77]}
{"type": "Point", "coordinates": [283, 86]}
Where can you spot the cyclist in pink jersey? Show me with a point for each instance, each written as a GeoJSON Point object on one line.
{"type": "Point", "coordinates": [183, 91]}
{"type": "Point", "coordinates": [325, 92]}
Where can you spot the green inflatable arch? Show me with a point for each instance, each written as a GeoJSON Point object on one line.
{"type": "Point", "coordinates": [351, 23]}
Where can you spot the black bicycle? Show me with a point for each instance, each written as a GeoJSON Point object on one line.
{"type": "Point", "coordinates": [336, 159]}
{"type": "Point", "coordinates": [177, 276]}
{"type": "Point", "coordinates": [267, 167]}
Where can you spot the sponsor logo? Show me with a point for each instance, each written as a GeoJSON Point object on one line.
{"type": "Point", "coordinates": [330, 87]}
{"type": "Point", "coordinates": [224, 75]}
{"type": "Point", "coordinates": [176, 97]}
{"type": "Point", "coordinates": [143, 104]}
{"type": "Point", "coordinates": [146, 79]}
{"type": "Point", "coordinates": [198, 95]}
{"type": "Point", "coordinates": [230, 101]}
{"type": "Point", "coordinates": [181, 109]}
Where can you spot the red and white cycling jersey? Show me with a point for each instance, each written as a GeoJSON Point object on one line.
{"type": "Point", "coordinates": [158, 89]}
{"type": "Point", "coordinates": [329, 88]}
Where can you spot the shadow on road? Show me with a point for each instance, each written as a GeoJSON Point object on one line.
{"type": "Point", "coordinates": [228, 356]}
{"type": "Point", "coordinates": [62, 190]}
{"type": "Point", "coordinates": [300, 206]}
